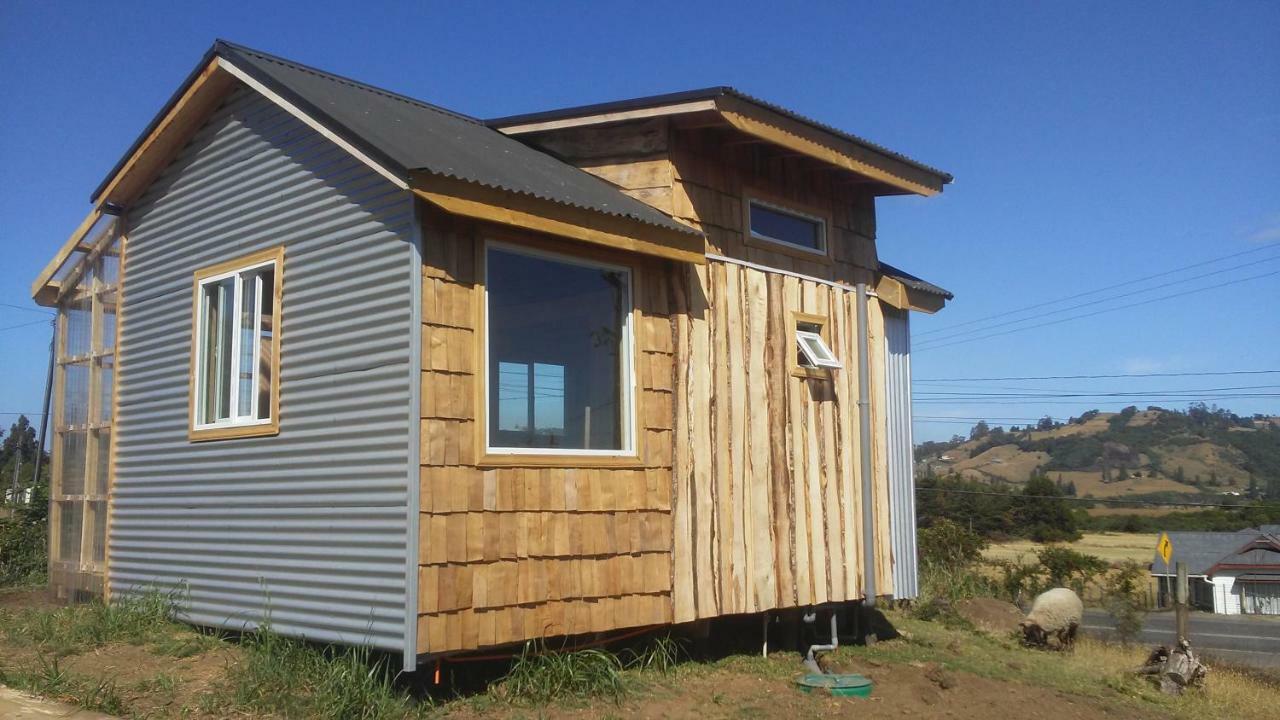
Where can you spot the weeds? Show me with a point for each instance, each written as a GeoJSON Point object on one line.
{"type": "Point", "coordinates": [661, 655]}
{"type": "Point", "coordinates": [538, 676]}
{"type": "Point", "coordinates": [50, 679]}
{"type": "Point", "coordinates": [135, 620]}
{"type": "Point", "coordinates": [292, 678]}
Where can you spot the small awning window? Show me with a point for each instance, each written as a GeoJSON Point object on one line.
{"type": "Point", "coordinates": [814, 350]}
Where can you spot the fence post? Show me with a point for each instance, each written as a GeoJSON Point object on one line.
{"type": "Point", "coordinates": [1180, 609]}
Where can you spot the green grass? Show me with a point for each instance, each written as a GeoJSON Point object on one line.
{"type": "Point", "coordinates": [48, 678]}
{"type": "Point", "coordinates": [294, 679]}
{"type": "Point", "coordinates": [141, 620]}
{"type": "Point", "coordinates": [1094, 669]}
{"type": "Point", "coordinates": [539, 677]}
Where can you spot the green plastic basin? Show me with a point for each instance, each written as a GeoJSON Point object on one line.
{"type": "Point", "coordinates": [850, 685]}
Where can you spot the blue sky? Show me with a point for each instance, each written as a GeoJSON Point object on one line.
{"type": "Point", "coordinates": [1092, 143]}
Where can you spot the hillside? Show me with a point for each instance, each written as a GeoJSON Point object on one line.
{"type": "Point", "coordinates": [1135, 454]}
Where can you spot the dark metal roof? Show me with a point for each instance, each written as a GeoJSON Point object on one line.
{"type": "Point", "coordinates": [1199, 550]}
{"type": "Point", "coordinates": [914, 282]}
{"type": "Point", "coordinates": [1262, 551]}
{"type": "Point", "coordinates": [409, 135]}
{"type": "Point", "coordinates": [709, 93]}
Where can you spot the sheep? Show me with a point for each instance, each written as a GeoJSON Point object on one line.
{"type": "Point", "coordinates": [1055, 613]}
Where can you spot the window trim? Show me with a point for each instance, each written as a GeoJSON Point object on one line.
{"type": "Point", "coordinates": [228, 429]}
{"type": "Point", "coordinates": [821, 372]}
{"type": "Point", "coordinates": [761, 240]}
{"type": "Point", "coordinates": [488, 456]}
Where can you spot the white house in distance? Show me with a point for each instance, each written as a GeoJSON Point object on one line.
{"type": "Point", "coordinates": [1230, 573]}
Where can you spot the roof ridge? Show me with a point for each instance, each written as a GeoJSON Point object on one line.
{"type": "Point", "coordinates": [343, 80]}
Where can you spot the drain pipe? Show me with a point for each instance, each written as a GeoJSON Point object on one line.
{"type": "Point", "coordinates": [810, 661]}
{"type": "Point", "coordinates": [864, 443]}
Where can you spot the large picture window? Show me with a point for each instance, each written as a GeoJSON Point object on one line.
{"type": "Point", "coordinates": [235, 369]}
{"type": "Point", "coordinates": [558, 354]}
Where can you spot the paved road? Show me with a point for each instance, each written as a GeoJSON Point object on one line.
{"type": "Point", "coordinates": [1245, 639]}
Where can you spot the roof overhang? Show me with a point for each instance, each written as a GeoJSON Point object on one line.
{"type": "Point", "coordinates": [218, 73]}
{"type": "Point", "coordinates": [905, 291]}
{"type": "Point", "coordinates": [897, 294]}
{"type": "Point", "coordinates": [199, 95]}
{"type": "Point", "coordinates": [529, 213]}
{"type": "Point", "coordinates": [760, 121]}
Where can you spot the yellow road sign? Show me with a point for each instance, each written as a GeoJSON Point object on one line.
{"type": "Point", "coordinates": [1165, 547]}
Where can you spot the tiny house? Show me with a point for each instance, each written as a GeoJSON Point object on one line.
{"type": "Point", "coordinates": [399, 377]}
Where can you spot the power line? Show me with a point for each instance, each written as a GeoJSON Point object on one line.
{"type": "Point", "coordinates": [28, 309]}
{"type": "Point", "coordinates": [1077, 306]}
{"type": "Point", "coordinates": [1095, 377]}
{"type": "Point", "coordinates": [935, 394]}
{"type": "Point", "coordinates": [22, 325]}
{"type": "Point", "coordinates": [1112, 501]}
{"type": "Point", "coordinates": [1083, 401]}
{"type": "Point", "coordinates": [1101, 289]}
{"type": "Point", "coordinates": [1091, 314]}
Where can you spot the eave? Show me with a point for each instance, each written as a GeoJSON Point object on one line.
{"type": "Point", "coordinates": [759, 121]}
{"type": "Point", "coordinates": [537, 215]}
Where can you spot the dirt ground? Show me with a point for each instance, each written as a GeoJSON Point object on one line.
{"type": "Point", "coordinates": [933, 671]}
{"type": "Point", "coordinates": [990, 615]}
{"type": "Point", "coordinates": [921, 690]}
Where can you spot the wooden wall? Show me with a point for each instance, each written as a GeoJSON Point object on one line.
{"type": "Point", "coordinates": [700, 174]}
{"type": "Point", "coordinates": [768, 493]}
{"type": "Point", "coordinates": [511, 553]}
{"type": "Point", "coordinates": [750, 494]}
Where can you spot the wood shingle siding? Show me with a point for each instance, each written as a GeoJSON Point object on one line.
{"type": "Point", "coordinates": [511, 553]}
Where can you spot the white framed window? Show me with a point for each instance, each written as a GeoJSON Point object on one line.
{"type": "Point", "coordinates": [236, 348]}
{"type": "Point", "coordinates": [814, 350]}
{"type": "Point", "coordinates": [786, 226]}
{"type": "Point", "coordinates": [559, 377]}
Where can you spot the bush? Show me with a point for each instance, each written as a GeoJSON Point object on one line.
{"type": "Point", "coordinates": [1018, 582]}
{"type": "Point", "coordinates": [23, 549]}
{"type": "Point", "coordinates": [946, 544]}
{"type": "Point", "coordinates": [1125, 599]}
{"type": "Point", "coordinates": [1069, 568]}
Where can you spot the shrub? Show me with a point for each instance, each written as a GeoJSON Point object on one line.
{"type": "Point", "coordinates": [946, 544]}
{"type": "Point", "coordinates": [1067, 567]}
{"type": "Point", "coordinates": [23, 558]}
{"type": "Point", "coordinates": [1125, 599]}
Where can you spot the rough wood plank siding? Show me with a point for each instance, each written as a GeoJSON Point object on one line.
{"type": "Point", "coordinates": [513, 553]}
{"type": "Point", "coordinates": [768, 494]}
{"type": "Point", "coordinates": [767, 489]}
{"type": "Point", "coordinates": [712, 179]}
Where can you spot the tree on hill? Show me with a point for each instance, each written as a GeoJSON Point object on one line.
{"type": "Point", "coordinates": [979, 431]}
{"type": "Point", "coordinates": [1042, 515]}
{"type": "Point", "coordinates": [1180, 475]}
{"type": "Point", "coordinates": [1046, 423]}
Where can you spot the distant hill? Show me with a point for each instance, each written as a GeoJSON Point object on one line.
{"type": "Point", "coordinates": [1134, 454]}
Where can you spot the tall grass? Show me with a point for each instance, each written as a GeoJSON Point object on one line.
{"type": "Point", "coordinates": [140, 619]}
{"type": "Point", "coordinates": [538, 676]}
{"type": "Point", "coordinates": [295, 679]}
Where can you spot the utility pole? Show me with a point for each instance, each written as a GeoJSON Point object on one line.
{"type": "Point", "coordinates": [17, 468]}
{"type": "Point", "coordinates": [1180, 609]}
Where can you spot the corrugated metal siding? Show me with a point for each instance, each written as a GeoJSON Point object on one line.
{"type": "Point", "coordinates": [310, 523]}
{"type": "Point", "coordinates": [902, 485]}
